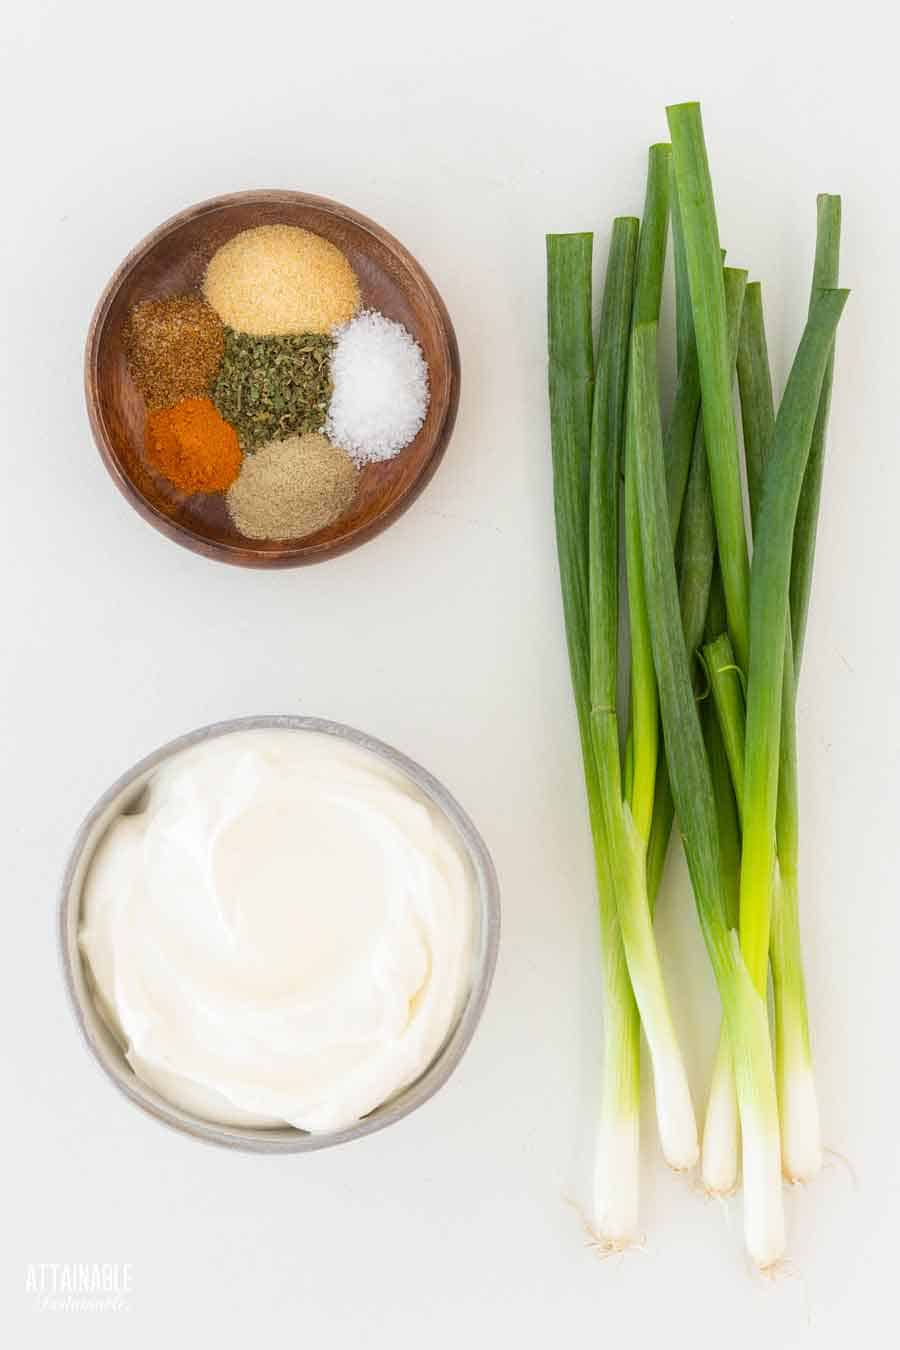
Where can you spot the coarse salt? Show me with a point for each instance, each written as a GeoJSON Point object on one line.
{"type": "Point", "coordinates": [380, 380]}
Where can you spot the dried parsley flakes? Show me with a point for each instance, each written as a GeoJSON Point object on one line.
{"type": "Point", "coordinates": [269, 388]}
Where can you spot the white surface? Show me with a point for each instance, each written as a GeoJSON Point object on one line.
{"type": "Point", "coordinates": [468, 131]}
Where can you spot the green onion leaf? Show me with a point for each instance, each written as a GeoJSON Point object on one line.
{"type": "Point", "coordinates": [825, 276]}
{"type": "Point", "coordinates": [769, 601]}
{"type": "Point", "coordinates": [704, 265]}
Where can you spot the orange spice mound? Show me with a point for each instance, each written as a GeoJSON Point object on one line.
{"type": "Point", "coordinates": [192, 446]}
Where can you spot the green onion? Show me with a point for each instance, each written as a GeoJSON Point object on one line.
{"type": "Point", "coordinates": [701, 246]}
{"type": "Point", "coordinates": [695, 802]}
{"type": "Point", "coordinates": [769, 598]}
{"type": "Point", "coordinates": [616, 1175]}
{"type": "Point", "coordinates": [644, 728]}
{"type": "Point", "coordinates": [825, 275]}
{"type": "Point", "coordinates": [684, 321]}
{"type": "Point", "coordinates": [687, 480]}
{"type": "Point", "coordinates": [757, 400]}
{"type": "Point", "coordinates": [697, 540]}
{"type": "Point", "coordinates": [703, 255]}
{"type": "Point", "coordinates": [720, 1154]}
{"type": "Point", "coordinates": [697, 553]}
{"type": "Point", "coordinates": [769, 909]}
{"type": "Point", "coordinates": [572, 421]}
{"type": "Point", "coordinates": [721, 1125]}
{"type": "Point", "coordinates": [679, 441]}
{"type": "Point", "coordinates": [690, 514]}
{"type": "Point", "coordinates": [606, 457]}
{"type": "Point", "coordinates": [721, 1132]}
{"type": "Point", "coordinates": [801, 1139]}
{"type": "Point", "coordinates": [660, 832]}
{"type": "Point", "coordinates": [628, 822]}
{"type": "Point", "coordinates": [728, 699]}
{"type": "Point", "coordinates": [727, 763]}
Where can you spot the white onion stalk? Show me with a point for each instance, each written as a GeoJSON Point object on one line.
{"type": "Point", "coordinates": [800, 1131]}
{"type": "Point", "coordinates": [722, 1128]}
{"type": "Point", "coordinates": [617, 1180]}
{"type": "Point", "coordinates": [748, 1037]}
{"type": "Point", "coordinates": [763, 1203]}
{"type": "Point", "coordinates": [616, 1191]}
{"type": "Point", "coordinates": [674, 1107]}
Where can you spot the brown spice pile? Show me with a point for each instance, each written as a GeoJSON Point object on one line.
{"type": "Point", "coordinates": [280, 279]}
{"type": "Point", "coordinates": [174, 347]}
{"type": "Point", "coordinates": [292, 488]}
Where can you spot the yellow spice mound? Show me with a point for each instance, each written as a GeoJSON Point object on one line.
{"type": "Point", "coordinates": [279, 279]}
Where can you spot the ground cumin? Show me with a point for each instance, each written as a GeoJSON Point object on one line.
{"type": "Point", "coordinates": [192, 446]}
{"type": "Point", "coordinates": [174, 347]}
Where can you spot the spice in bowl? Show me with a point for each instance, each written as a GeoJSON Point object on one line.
{"type": "Point", "coordinates": [292, 488]}
{"type": "Point", "coordinates": [278, 279]}
{"type": "Point", "coordinates": [192, 446]}
{"type": "Point", "coordinates": [272, 387]}
{"type": "Point", "coordinates": [380, 388]}
{"type": "Point", "coordinates": [174, 347]}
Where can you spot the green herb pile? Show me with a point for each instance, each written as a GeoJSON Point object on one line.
{"type": "Point", "coordinates": [706, 729]}
{"type": "Point", "coordinates": [270, 388]}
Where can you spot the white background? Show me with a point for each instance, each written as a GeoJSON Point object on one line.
{"type": "Point", "coordinates": [468, 130]}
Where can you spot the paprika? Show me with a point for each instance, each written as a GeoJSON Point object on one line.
{"type": "Point", "coordinates": [192, 446]}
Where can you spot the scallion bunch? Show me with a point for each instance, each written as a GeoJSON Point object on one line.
{"type": "Point", "coordinates": [717, 599]}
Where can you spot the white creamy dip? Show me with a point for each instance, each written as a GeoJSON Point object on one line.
{"type": "Point", "coordinates": [282, 933]}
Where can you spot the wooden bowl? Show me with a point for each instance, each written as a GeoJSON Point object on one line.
{"type": "Point", "coordinates": [172, 261]}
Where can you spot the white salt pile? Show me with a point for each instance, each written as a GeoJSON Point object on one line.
{"type": "Point", "coordinates": [380, 388]}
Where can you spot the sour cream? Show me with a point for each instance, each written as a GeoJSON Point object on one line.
{"type": "Point", "coordinates": [281, 931]}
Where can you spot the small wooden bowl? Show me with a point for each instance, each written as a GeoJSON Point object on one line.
{"type": "Point", "coordinates": [172, 261]}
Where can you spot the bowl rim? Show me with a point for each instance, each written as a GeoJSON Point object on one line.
{"type": "Point", "coordinates": [286, 1139]}
{"type": "Point", "coordinates": [253, 555]}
